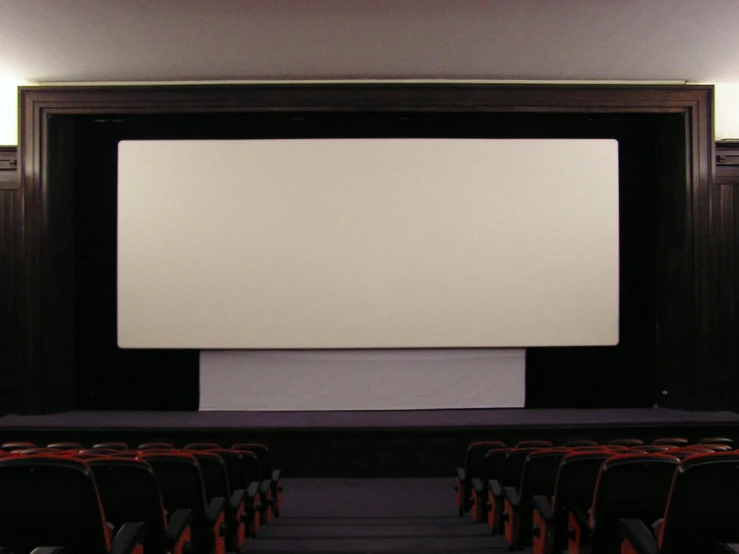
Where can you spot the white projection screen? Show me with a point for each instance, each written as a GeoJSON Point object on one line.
{"type": "Point", "coordinates": [367, 243]}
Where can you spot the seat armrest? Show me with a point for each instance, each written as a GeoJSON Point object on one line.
{"type": "Point", "coordinates": [264, 488]}
{"type": "Point", "coordinates": [237, 497]}
{"type": "Point", "coordinates": [581, 517]}
{"type": "Point", "coordinates": [512, 495]}
{"type": "Point", "coordinates": [638, 535]}
{"type": "Point", "coordinates": [542, 505]}
{"type": "Point", "coordinates": [495, 488]}
{"type": "Point", "coordinates": [252, 490]}
{"type": "Point", "coordinates": [128, 537]}
{"type": "Point", "coordinates": [177, 525]}
{"type": "Point", "coordinates": [477, 485]}
{"type": "Point", "coordinates": [276, 475]}
{"type": "Point", "coordinates": [720, 548]}
{"type": "Point", "coordinates": [461, 474]}
{"type": "Point", "coordinates": [215, 509]}
{"type": "Point", "coordinates": [41, 550]}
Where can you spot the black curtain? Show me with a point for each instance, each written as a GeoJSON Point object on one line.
{"type": "Point", "coordinates": [112, 378]}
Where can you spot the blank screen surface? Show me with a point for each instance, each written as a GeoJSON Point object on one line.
{"type": "Point", "coordinates": [367, 243]}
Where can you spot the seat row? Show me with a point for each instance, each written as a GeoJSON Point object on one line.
{"type": "Point", "coordinates": [478, 465]}
{"type": "Point", "coordinates": [153, 499]}
{"type": "Point", "coordinates": [611, 498]}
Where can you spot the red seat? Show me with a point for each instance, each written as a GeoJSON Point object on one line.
{"type": "Point", "coordinates": [537, 478]}
{"type": "Point", "coordinates": [573, 490]}
{"type": "Point", "coordinates": [65, 446]}
{"type": "Point", "coordinates": [181, 485]}
{"type": "Point", "coordinates": [510, 477]}
{"type": "Point", "coordinates": [15, 446]}
{"type": "Point", "coordinates": [702, 510]}
{"type": "Point", "coordinates": [626, 442]}
{"type": "Point", "coordinates": [534, 444]}
{"type": "Point", "coordinates": [129, 491]}
{"type": "Point", "coordinates": [217, 485]}
{"type": "Point", "coordinates": [473, 467]}
{"type": "Point", "coordinates": [672, 441]}
{"type": "Point", "coordinates": [243, 475]}
{"type": "Point", "coordinates": [53, 500]}
{"type": "Point", "coordinates": [156, 446]}
{"type": "Point", "coordinates": [631, 486]}
{"type": "Point", "coordinates": [269, 474]}
{"type": "Point", "coordinates": [112, 445]}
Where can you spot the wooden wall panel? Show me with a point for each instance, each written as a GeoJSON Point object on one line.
{"type": "Point", "coordinates": [9, 251]}
{"type": "Point", "coordinates": [718, 377]}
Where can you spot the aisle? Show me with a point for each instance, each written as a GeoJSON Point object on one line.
{"type": "Point", "coordinates": [372, 515]}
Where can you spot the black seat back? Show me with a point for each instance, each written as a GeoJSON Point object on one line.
{"type": "Point", "coordinates": [574, 489]}
{"type": "Point", "coordinates": [513, 466]}
{"type": "Point", "coordinates": [130, 492]}
{"type": "Point", "coordinates": [494, 463]}
{"type": "Point", "coordinates": [704, 504]}
{"type": "Point", "coordinates": [474, 459]}
{"type": "Point", "coordinates": [215, 475]}
{"type": "Point", "coordinates": [235, 467]}
{"type": "Point", "coordinates": [50, 501]}
{"type": "Point", "coordinates": [202, 446]}
{"type": "Point", "coordinates": [263, 454]}
{"type": "Point", "coordinates": [181, 485]}
{"type": "Point", "coordinates": [538, 478]}
{"type": "Point", "coordinates": [633, 486]}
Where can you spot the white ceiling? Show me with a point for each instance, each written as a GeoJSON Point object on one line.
{"type": "Point", "coordinates": [162, 40]}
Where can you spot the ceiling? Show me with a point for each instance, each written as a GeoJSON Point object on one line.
{"type": "Point", "coordinates": [179, 40]}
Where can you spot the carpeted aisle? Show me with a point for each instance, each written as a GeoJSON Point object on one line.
{"type": "Point", "coordinates": [372, 515]}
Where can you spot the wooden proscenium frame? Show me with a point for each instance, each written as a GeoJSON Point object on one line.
{"type": "Point", "coordinates": [684, 273]}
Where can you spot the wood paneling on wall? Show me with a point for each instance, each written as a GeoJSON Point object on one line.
{"type": "Point", "coordinates": [9, 257]}
{"type": "Point", "coordinates": [718, 378]}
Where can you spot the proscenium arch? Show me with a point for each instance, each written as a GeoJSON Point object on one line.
{"type": "Point", "coordinates": [46, 372]}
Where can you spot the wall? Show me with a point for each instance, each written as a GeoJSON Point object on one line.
{"type": "Point", "coordinates": [726, 110]}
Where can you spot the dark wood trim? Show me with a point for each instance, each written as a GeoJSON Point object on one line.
{"type": "Point", "coordinates": [45, 365]}
{"type": "Point", "coordinates": [9, 168]}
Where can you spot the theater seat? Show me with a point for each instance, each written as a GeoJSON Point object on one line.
{"type": "Point", "coordinates": [16, 446]}
{"type": "Point", "coordinates": [240, 479]}
{"type": "Point", "coordinates": [683, 453]}
{"type": "Point", "coordinates": [493, 465]}
{"type": "Point", "coordinates": [202, 446]}
{"type": "Point", "coordinates": [631, 486]}
{"type": "Point", "coordinates": [654, 448]}
{"type": "Point", "coordinates": [511, 477]}
{"type": "Point", "coordinates": [672, 441]}
{"type": "Point", "coordinates": [473, 467]}
{"type": "Point", "coordinates": [716, 440]}
{"type": "Point", "coordinates": [156, 446]}
{"type": "Point", "coordinates": [53, 501]}
{"type": "Point", "coordinates": [268, 473]}
{"type": "Point", "coordinates": [626, 442]}
{"type": "Point", "coordinates": [534, 444]}
{"type": "Point", "coordinates": [217, 485]}
{"type": "Point", "coordinates": [573, 491]}
{"type": "Point", "coordinates": [537, 478]}
{"type": "Point", "coordinates": [181, 486]}
{"type": "Point", "coordinates": [580, 442]}
{"type": "Point", "coordinates": [129, 491]}
{"type": "Point", "coordinates": [111, 445]}
{"type": "Point", "coordinates": [65, 446]}
{"type": "Point", "coordinates": [703, 510]}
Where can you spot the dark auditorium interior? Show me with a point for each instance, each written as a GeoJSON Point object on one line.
{"type": "Point", "coordinates": [577, 396]}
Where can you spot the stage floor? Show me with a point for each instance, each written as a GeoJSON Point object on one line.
{"type": "Point", "coordinates": [411, 420]}
{"type": "Point", "coordinates": [424, 443]}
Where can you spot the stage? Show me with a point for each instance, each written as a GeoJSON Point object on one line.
{"type": "Point", "coordinates": [420, 443]}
